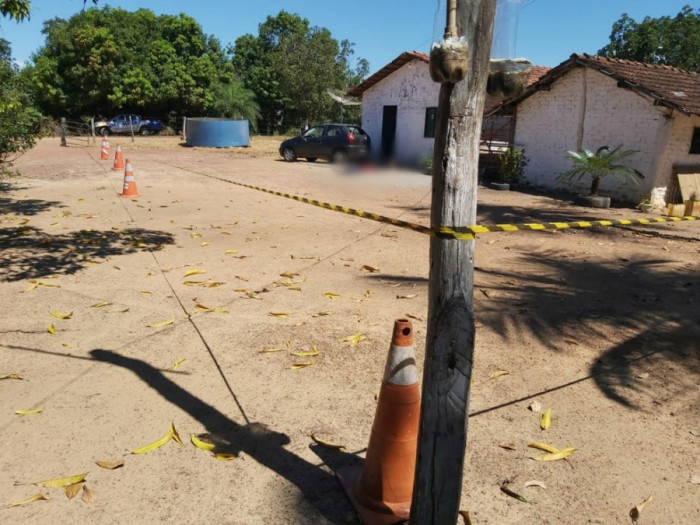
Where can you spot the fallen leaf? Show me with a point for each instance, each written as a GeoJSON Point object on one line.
{"type": "Point", "coordinates": [368, 294]}
{"type": "Point", "coordinates": [157, 444]}
{"type": "Point", "coordinates": [643, 375]}
{"type": "Point", "coordinates": [297, 366]}
{"type": "Point", "coordinates": [498, 373]}
{"type": "Point", "coordinates": [311, 353]}
{"type": "Point", "coordinates": [410, 316]}
{"type": "Point", "coordinates": [270, 350]}
{"type": "Point", "coordinates": [512, 494]}
{"type": "Point", "coordinates": [161, 324]}
{"type": "Point", "coordinates": [556, 456]}
{"type": "Point", "coordinates": [327, 444]}
{"type": "Point", "coordinates": [177, 363]}
{"type": "Point", "coordinates": [110, 465]}
{"type": "Point", "coordinates": [59, 315]}
{"type": "Point", "coordinates": [353, 339]}
{"type": "Point", "coordinates": [466, 517]}
{"type": "Point", "coordinates": [11, 376]}
{"type": "Point", "coordinates": [51, 329]}
{"type": "Point", "coordinates": [535, 406]}
{"type": "Point", "coordinates": [545, 447]}
{"type": "Point", "coordinates": [118, 311]}
{"type": "Point", "coordinates": [195, 235]}
{"type": "Point", "coordinates": [409, 296]}
{"type": "Point", "coordinates": [294, 288]}
{"type": "Point", "coordinates": [73, 490]}
{"type": "Point", "coordinates": [205, 243]}
{"type": "Point", "coordinates": [145, 292]}
{"type": "Point", "coordinates": [174, 434]}
{"type": "Point", "coordinates": [637, 509]}
{"type": "Point", "coordinates": [289, 275]}
{"type": "Point", "coordinates": [535, 483]}
{"type": "Point", "coordinates": [507, 446]}
{"type": "Point", "coordinates": [229, 252]}
{"type": "Point", "coordinates": [58, 482]}
{"type": "Point", "coordinates": [370, 269]}
{"type": "Point", "coordinates": [281, 315]}
{"type": "Point", "coordinates": [201, 444]}
{"type": "Point", "coordinates": [330, 295]}
{"type": "Point", "coordinates": [35, 497]}
{"type": "Point", "coordinates": [100, 305]}
{"type": "Point", "coordinates": [88, 495]}
{"type": "Point", "coordinates": [29, 412]}
{"type": "Point", "coordinates": [571, 342]}
{"type": "Point", "coordinates": [194, 272]}
{"type": "Point", "coordinates": [546, 420]}
{"type": "Point", "coordinates": [225, 456]}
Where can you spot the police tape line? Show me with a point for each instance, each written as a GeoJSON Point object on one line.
{"type": "Point", "coordinates": [462, 233]}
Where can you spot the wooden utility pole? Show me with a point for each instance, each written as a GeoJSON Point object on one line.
{"type": "Point", "coordinates": [450, 338]}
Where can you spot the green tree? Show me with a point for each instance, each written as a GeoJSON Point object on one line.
{"type": "Point", "coordinates": [603, 163]}
{"type": "Point", "coordinates": [673, 41]}
{"type": "Point", "coordinates": [102, 61]}
{"type": "Point", "coordinates": [289, 66]}
{"type": "Point", "coordinates": [19, 121]}
{"type": "Point", "coordinates": [20, 9]}
{"type": "Point", "coordinates": [233, 100]}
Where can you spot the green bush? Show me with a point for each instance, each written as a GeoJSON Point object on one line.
{"type": "Point", "coordinates": [513, 163]}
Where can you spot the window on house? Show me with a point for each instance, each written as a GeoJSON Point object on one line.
{"type": "Point", "coordinates": [430, 119]}
{"type": "Point", "coordinates": [695, 142]}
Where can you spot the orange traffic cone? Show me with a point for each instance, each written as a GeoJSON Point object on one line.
{"type": "Point", "coordinates": [104, 152]}
{"type": "Point", "coordinates": [129, 182]}
{"type": "Point", "coordinates": [381, 489]}
{"type": "Point", "coordinates": [118, 159]}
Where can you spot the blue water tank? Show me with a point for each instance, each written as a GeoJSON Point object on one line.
{"type": "Point", "coordinates": [217, 132]}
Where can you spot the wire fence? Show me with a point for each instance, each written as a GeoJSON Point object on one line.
{"type": "Point", "coordinates": [76, 133]}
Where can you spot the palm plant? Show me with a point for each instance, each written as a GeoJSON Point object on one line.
{"type": "Point", "coordinates": [602, 163]}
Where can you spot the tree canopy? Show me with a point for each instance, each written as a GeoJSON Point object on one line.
{"type": "Point", "coordinates": [101, 61]}
{"type": "Point", "coordinates": [673, 41]}
{"type": "Point", "coordinates": [289, 66]}
{"type": "Point", "coordinates": [20, 9]}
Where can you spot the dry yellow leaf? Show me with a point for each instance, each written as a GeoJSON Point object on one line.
{"type": "Point", "coordinates": [59, 315]}
{"type": "Point", "coordinates": [311, 353]}
{"type": "Point", "coordinates": [174, 434]}
{"type": "Point", "coordinates": [294, 288]}
{"type": "Point", "coordinates": [555, 456]}
{"type": "Point", "coordinates": [88, 495]}
{"type": "Point", "coordinates": [72, 490]}
{"type": "Point", "coordinates": [224, 456]}
{"type": "Point", "coordinates": [177, 363]}
{"type": "Point", "coordinates": [281, 315]}
{"type": "Point", "coordinates": [161, 324]}
{"type": "Point", "coordinates": [101, 304]}
{"type": "Point", "coordinates": [203, 308]}
{"type": "Point", "coordinates": [269, 350]}
{"type": "Point", "coordinates": [194, 272]}
{"type": "Point", "coordinates": [118, 311]}
{"type": "Point", "coordinates": [297, 366]}
{"type": "Point", "coordinates": [51, 329]}
{"type": "Point", "coordinates": [545, 447]}
{"type": "Point", "coordinates": [353, 339]}
{"type": "Point", "coordinates": [35, 497]}
{"type": "Point", "coordinates": [29, 412]}
{"type": "Point", "coordinates": [507, 446]}
{"type": "Point", "coordinates": [229, 252]}
{"type": "Point", "coordinates": [330, 295]}
{"type": "Point", "coordinates": [144, 292]}
{"type": "Point", "coordinates": [201, 444]}
{"type": "Point", "coordinates": [289, 275]}
{"type": "Point", "coordinates": [327, 444]}
{"type": "Point", "coordinates": [498, 373]}
{"type": "Point", "coordinates": [546, 420]}
{"type": "Point", "coordinates": [58, 482]}
{"type": "Point", "coordinates": [370, 269]}
{"type": "Point", "coordinates": [409, 296]}
{"type": "Point", "coordinates": [110, 465]}
{"type": "Point", "coordinates": [466, 517]}
{"type": "Point", "coordinates": [11, 376]}
{"type": "Point", "coordinates": [368, 294]}
{"type": "Point", "coordinates": [195, 235]}
{"type": "Point", "coordinates": [205, 243]}
{"type": "Point", "coordinates": [157, 444]}
{"type": "Point", "coordinates": [637, 509]}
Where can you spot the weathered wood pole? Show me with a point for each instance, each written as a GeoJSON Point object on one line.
{"type": "Point", "coordinates": [63, 132]}
{"type": "Point", "coordinates": [131, 127]}
{"type": "Point", "coordinates": [450, 338]}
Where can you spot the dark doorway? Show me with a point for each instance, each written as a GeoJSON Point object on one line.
{"type": "Point", "coordinates": [388, 131]}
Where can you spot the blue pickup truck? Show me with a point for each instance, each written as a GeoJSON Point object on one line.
{"type": "Point", "coordinates": [127, 124]}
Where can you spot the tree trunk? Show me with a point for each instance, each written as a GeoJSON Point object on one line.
{"type": "Point", "coordinates": [450, 338]}
{"type": "Point", "coordinates": [594, 185]}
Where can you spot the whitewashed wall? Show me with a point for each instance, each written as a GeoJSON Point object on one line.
{"type": "Point", "coordinates": [412, 91]}
{"type": "Point", "coordinates": [548, 125]}
{"type": "Point", "coordinates": [676, 147]}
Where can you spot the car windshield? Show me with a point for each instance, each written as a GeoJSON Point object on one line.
{"type": "Point", "coordinates": [314, 132]}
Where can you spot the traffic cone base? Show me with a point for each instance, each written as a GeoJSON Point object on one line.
{"type": "Point", "coordinates": [381, 489]}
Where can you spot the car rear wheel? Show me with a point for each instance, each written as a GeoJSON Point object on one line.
{"type": "Point", "coordinates": [311, 159]}
{"type": "Point", "coordinates": [289, 155]}
{"type": "Point", "coordinates": [339, 155]}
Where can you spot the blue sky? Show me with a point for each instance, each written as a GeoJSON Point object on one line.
{"type": "Point", "coordinates": [549, 30]}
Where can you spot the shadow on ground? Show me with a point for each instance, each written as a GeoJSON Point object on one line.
{"type": "Point", "coordinates": [317, 485]}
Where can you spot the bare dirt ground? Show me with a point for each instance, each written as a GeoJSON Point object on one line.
{"type": "Point", "coordinates": [601, 326]}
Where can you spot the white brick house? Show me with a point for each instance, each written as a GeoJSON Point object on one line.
{"type": "Point", "coordinates": [399, 107]}
{"type": "Point", "coordinates": [590, 101]}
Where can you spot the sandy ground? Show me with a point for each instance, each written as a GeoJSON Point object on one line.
{"type": "Point", "coordinates": [602, 326]}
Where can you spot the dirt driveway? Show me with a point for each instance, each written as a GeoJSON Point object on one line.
{"type": "Point", "coordinates": [187, 303]}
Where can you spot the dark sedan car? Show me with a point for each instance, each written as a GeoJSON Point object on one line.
{"type": "Point", "coordinates": [335, 142]}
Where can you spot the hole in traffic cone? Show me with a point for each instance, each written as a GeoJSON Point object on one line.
{"type": "Point", "coordinates": [118, 158]}
{"type": "Point", "coordinates": [129, 182]}
{"type": "Point", "coordinates": [104, 151]}
{"type": "Point", "coordinates": [381, 489]}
